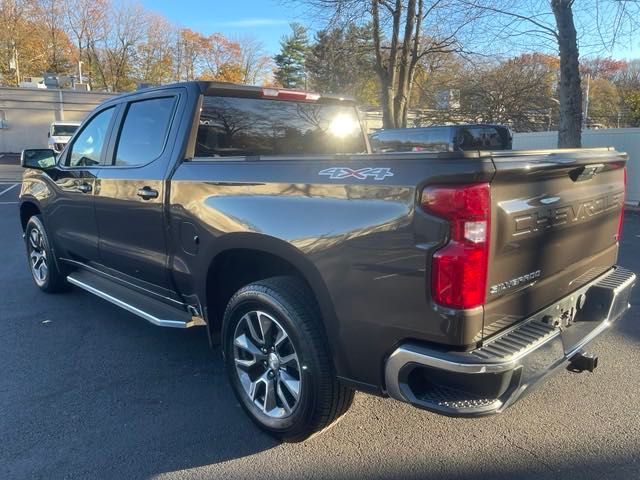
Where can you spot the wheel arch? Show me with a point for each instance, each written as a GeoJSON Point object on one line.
{"type": "Point", "coordinates": [27, 210]}
{"type": "Point", "coordinates": [243, 258]}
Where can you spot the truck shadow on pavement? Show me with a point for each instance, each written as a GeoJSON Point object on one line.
{"type": "Point", "coordinates": [108, 393]}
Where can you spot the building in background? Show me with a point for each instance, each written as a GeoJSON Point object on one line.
{"type": "Point", "coordinates": [26, 114]}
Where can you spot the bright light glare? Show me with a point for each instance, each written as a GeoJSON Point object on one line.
{"type": "Point", "coordinates": [343, 125]}
{"type": "Point", "coordinates": [475, 232]}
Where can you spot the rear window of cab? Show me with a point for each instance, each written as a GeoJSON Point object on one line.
{"type": "Point", "coordinates": [237, 126]}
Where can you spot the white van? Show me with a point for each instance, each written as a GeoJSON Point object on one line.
{"type": "Point", "coordinates": [60, 133]}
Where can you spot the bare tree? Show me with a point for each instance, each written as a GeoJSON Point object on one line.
{"type": "Point", "coordinates": [190, 54]}
{"type": "Point", "coordinates": [553, 24]}
{"type": "Point", "coordinates": [118, 43]}
{"type": "Point", "coordinates": [518, 92]}
{"type": "Point", "coordinates": [404, 33]}
{"type": "Point", "coordinates": [85, 19]}
{"type": "Point", "coordinates": [255, 63]}
{"type": "Point", "coordinates": [113, 48]}
{"type": "Point", "coordinates": [14, 37]}
{"type": "Point", "coordinates": [418, 30]}
{"type": "Point", "coordinates": [222, 59]}
{"type": "Point", "coordinates": [49, 13]}
{"type": "Point", "coordinates": [570, 125]}
{"type": "Point", "coordinates": [31, 40]}
{"type": "Point", "coordinates": [154, 57]}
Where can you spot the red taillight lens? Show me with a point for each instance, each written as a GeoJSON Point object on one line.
{"type": "Point", "coordinates": [459, 269]}
{"type": "Point", "coordinates": [624, 196]}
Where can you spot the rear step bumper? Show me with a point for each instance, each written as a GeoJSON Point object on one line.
{"type": "Point", "coordinates": [489, 379]}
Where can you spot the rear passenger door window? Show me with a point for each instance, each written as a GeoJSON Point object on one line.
{"type": "Point", "coordinates": [144, 131]}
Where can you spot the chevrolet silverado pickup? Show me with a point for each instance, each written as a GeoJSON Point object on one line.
{"type": "Point", "coordinates": [453, 281]}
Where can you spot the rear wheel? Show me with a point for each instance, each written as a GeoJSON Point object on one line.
{"type": "Point", "coordinates": [43, 267]}
{"type": "Point", "coordinates": [278, 361]}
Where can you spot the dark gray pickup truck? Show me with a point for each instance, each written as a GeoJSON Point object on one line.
{"type": "Point", "coordinates": [453, 281]}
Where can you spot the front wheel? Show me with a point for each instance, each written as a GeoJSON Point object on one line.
{"type": "Point", "coordinates": [278, 361]}
{"type": "Point", "coordinates": [43, 267]}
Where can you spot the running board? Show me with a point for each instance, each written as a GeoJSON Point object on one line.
{"type": "Point", "coordinates": [153, 311]}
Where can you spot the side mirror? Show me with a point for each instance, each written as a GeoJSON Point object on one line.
{"type": "Point", "coordinates": [48, 134]}
{"type": "Point", "coordinates": [40, 158]}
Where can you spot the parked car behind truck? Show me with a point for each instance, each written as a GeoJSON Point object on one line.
{"type": "Point", "coordinates": [452, 281]}
{"type": "Point", "coordinates": [60, 133]}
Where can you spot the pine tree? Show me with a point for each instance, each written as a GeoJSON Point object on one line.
{"type": "Point", "coordinates": [341, 60]}
{"type": "Point", "coordinates": [290, 62]}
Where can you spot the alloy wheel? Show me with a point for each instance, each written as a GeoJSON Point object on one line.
{"type": "Point", "coordinates": [38, 256]}
{"type": "Point", "coordinates": [267, 364]}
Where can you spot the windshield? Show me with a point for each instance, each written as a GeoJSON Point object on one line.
{"type": "Point", "coordinates": [64, 130]}
{"type": "Point", "coordinates": [232, 126]}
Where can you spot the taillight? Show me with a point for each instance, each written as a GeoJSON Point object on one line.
{"type": "Point", "coordinates": [459, 269]}
{"type": "Point", "coordinates": [624, 196]}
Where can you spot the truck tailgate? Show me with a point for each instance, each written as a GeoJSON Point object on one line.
{"type": "Point", "coordinates": [555, 220]}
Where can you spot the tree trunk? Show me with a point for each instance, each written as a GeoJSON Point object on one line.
{"type": "Point", "coordinates": [388, 111]}
{"type": "Point", "coordinates": [405, 111]}
{"type": "Point", "coordinates": [387, 79]}
{"type": "Point", "coordinates": [402, 100]}
{"type": "Point", "coordinates": [387, 68]}
{"type": "Point", "coordinates": [413, 62]}
{"type": "Point", "coordinates": [569, 131]}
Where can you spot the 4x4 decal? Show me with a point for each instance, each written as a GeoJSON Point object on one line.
{"type": "Point", "coordinates": [338, 173]}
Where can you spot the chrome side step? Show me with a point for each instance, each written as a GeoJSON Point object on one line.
{"type": "Point", "coordinates": [151, 310]}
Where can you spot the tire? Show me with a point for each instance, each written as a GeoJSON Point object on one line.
{"type": "Point", "coordinates": [301, 395]}
{"type": "Point", "coordinates": [42, 264]}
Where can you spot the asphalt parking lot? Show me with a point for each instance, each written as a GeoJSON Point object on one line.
{"type": "Point", "coordinates": [90, 391]}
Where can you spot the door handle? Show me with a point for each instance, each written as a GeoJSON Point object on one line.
{"type": "Point", "coordinates": [85, 187]}
{"type": "Point", "coordinates": [147, 193]}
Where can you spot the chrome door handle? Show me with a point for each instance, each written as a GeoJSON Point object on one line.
{"type": "Point", "coordinates": [147, 193]}
{"type": "Point", "coordinates": [85, 187]}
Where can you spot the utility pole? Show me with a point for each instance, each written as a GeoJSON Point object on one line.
{"type": "Point", "coordinates": [60, 103]}
{"type": "Point", "coordinates": [14, 64]}
{"type": "Point", "coordinates": [17, 66]}
{"type": "Point", "coordinates": [586, 103]}
{"type": "Point", "coordinates": [557, 102]}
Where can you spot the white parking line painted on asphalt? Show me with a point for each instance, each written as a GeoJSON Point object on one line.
{"type": "Point", "coordinates": [9, 203]}
{"type": "Point", "coordinates": [7, 189]}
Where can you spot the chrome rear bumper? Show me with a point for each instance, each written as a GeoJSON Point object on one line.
{"type": "Point", "coordinates": [489, 379]}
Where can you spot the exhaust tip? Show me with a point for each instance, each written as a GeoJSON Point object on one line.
{"type": "Point", "coordinates": [582, 361]}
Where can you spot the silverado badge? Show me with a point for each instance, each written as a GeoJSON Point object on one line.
{"type": "Point", "coordinates": [514, 282]}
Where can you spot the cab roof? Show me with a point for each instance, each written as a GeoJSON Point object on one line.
{"type": "Point", "coordinates": [250, 91]}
